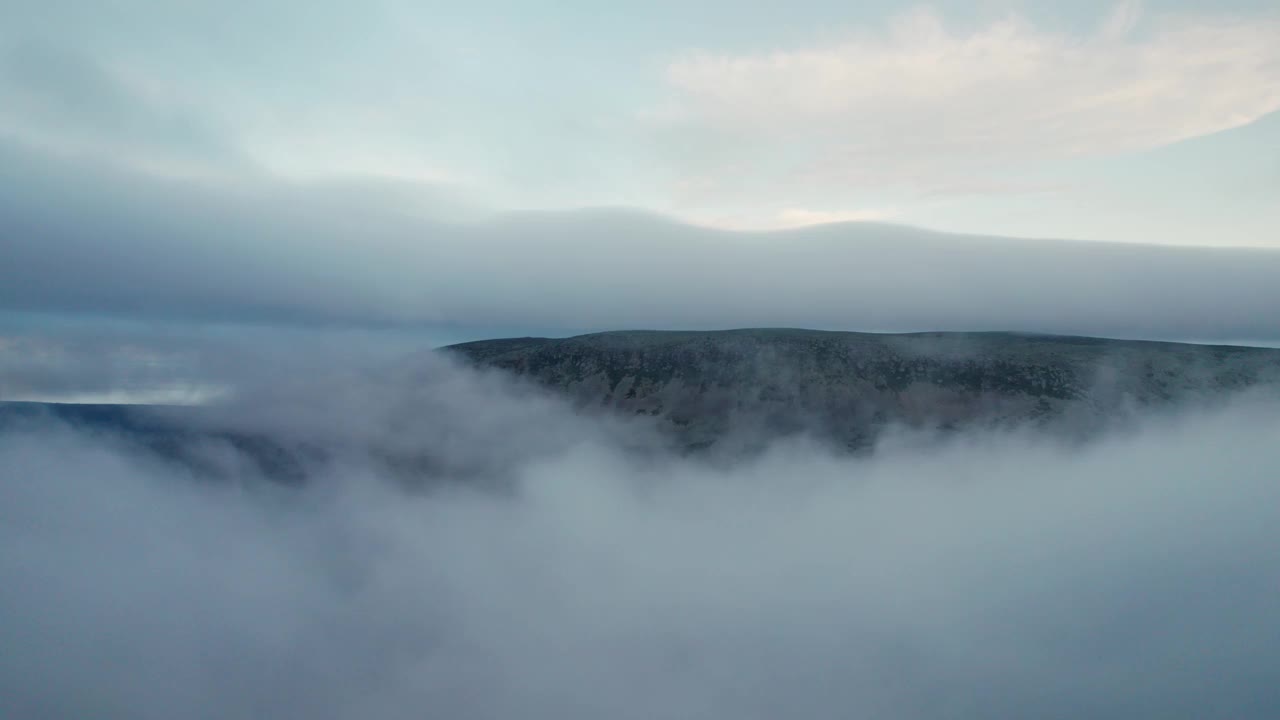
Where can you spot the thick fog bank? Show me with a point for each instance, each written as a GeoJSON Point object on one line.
{"type": "Point", "coordinates": [988, 576]}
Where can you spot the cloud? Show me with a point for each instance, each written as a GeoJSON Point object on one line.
{"type": "Point", "coordinates": [793, 217]}
{"type": "Point", "coordinates": [471, 103]}
{"type": "Point", "coordinates": [924, 105]}
{"type": "Point", "coordinates": [799, 217]}
{"type": "Point", "coordinates": [92, 358]}
{"type": "Point", "coordinates": [999, 576]}
{"type": "Point", "coordinates": [90, 238]}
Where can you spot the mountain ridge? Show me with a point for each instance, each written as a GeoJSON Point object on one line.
{"type": "Point", "coordinates": [848, 387]}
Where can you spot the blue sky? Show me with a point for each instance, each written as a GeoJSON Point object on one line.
{"type": "Point", "coordinates": [1141, 122]}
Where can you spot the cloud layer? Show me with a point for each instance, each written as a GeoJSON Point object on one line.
{"type": "Point", "coordinates": [86, 237]}
{"type": "Point", "coordinates": [995, 577]}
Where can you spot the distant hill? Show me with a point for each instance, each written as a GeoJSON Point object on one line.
{"type": "Point", "coordinates": [746, 385]}
{"type": "Point", "coordinates": [173, 433]}
{"type": "Point", "coordinates": [725, 392]}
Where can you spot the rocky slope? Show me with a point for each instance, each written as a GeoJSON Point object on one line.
{"type": "Point", "coordinates": [708, 388]}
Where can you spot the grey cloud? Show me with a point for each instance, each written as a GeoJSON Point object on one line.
{"type": "Point", "coordinates": [83, 237]}
{"type": "Point", "coordinates": [995, 577]}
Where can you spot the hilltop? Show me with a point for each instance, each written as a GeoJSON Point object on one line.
{"type": "Point", "coordinates": [847, 387]}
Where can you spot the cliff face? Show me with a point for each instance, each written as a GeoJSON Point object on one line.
{"type": "Point", "coordinates": [704, 388]}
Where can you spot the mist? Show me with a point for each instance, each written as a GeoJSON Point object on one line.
{"type": "Point", "coordinates": [344, 371]}
{"type": "Point", "coordinates": [985, 575]}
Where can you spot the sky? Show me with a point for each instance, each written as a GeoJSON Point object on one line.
{"type": "Point", "coordinates": [415, 174]}
{"type": "Point", "coordinates": [1121, 121]}
{"type": "Point", "coordinates": [276, 209]}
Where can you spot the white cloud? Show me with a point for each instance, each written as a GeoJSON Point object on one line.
{"type": "Point", "coordinates": [924, 104]}
{"type": "Point", "coordinates": [798, 217]}
{"type": "Point", "coordinates": [791, 217]}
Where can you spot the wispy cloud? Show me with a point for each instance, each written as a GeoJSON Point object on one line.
{"type": "Point", "coordinates": [792, 217]}
{"type": "Point", "coordinates": [923, 104]}
{"type": "Point", "coordinates": [844, 109]}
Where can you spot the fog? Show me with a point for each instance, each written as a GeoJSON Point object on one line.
{"type": "Point", "coordinates": [62, 358]}
{"type": "Point", "coordinates": [1003, 575]}
{"type": "Point", "coordinates": [260, 219]}
{"type": "Point", "coordinates": [84, 236]}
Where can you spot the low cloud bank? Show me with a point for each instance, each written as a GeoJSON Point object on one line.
{"type": "Point", "coordinates": [991, 576]}
{"type": "Point", "coordinates": [92, 238]}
